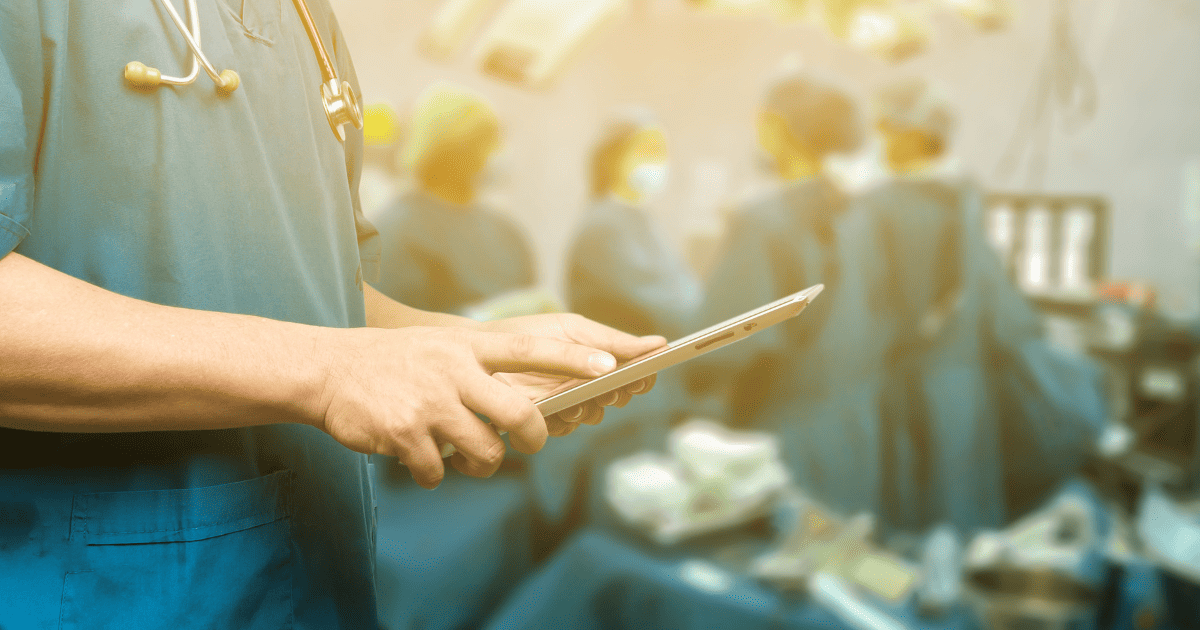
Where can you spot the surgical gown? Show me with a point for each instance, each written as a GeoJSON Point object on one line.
{"type": "Point", "coordinates": [242, 203]}
{"type": "Point", "coordinates": [443, 258]}
{"type": "Point", "coordinates": [621, 271]}
{"type": "Point", "coordinates": [973, 399]}
{"type": "Point", "coordinates": [814, 380]}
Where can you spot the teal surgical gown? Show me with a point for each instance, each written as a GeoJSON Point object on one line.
{"type": "Point", "coordinates": [621, 271]}
{"type": "Point", "coordinates": [918, 385]}
{"type": "Point", "coordinates": [814, 380]}
{"type": "Point", "coordinates": [977, 411]}
{"type": "Point", "coordinates": [438, 257]}
{"type": "Point", "coordinates": [243, 203]}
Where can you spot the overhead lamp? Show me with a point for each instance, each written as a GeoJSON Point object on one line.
{"type": "Point", "coordinates": [732, 6]}
{"type": "Point", "coordinates": [986, 15]}
{"type": "Point", "coordinates": [530, 41]}
{"type": "Point", "coordinates": [452, 24]}
{"type": "Point", "coordinates": [840, 15]}
{"type": "Point", "coordinates": [890, 35]}
{"type": "Point", "coordinates": [782, 9]}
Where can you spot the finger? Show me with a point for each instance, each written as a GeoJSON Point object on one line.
{"type": "Point", "coordinates": [622, 345]}
{"type": "Point", "coordinates": [557, 427]}
{"type": "Point", "coordinates": [508, 411]}
{"type": "Point", "coordinates": [578, 414]}
{"type": "Point", "coordinates": [572, 414]}
{"type": "Point", "coordinates": [423, 458]}
{"type": "Point", "coordinates": [480, 451]}
{"type": "Point", "coordinates": [505, 352]}
{"type": "Point", "coordinates": [643, 386]}
{"type": "Point", "coordinates": [615, 398]}
{"type": "Point", "coordinates": [623, 398]}
{"type": "Point", "coordinates": [592, 414]}
{"type": "Point", "coordinates": [472, 468]}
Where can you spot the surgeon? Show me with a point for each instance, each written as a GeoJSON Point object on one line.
{"type": "Point", "coordinates": [444, 250]}
{"type": "Point", "coordinates": [192, 359]}
{"type": "Point", "coordinates": [975, 404]}
{"type": "Point", "coordinates": [622, 271]}
{"type": "Point", "coordinates": [621, 268]}
{"type": "Point", "coordinates": [813, 380]}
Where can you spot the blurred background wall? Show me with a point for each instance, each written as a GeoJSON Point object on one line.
{"type": "Point", "coordinates": [704, 74]}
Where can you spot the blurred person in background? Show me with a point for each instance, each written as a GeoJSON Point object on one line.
{"type": "Point", "coordinates": [383, 133]}
{"type": "Point", "coordinates": [442, 249]}
{"type": "Point", "coordinates": [976, 409]}
{"type": "Point", "coordinates": [621, 270]}
{"type": "Point", "coordinates": [813, 380]}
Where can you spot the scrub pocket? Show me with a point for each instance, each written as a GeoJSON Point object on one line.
{"type": "Point", "coordinates": [215, 557]}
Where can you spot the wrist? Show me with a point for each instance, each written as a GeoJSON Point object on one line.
{"type": "Point", "coordinates": [322, 362]}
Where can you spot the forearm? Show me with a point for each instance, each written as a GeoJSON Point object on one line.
{"type": "Point", "coordinates": [74, 357]}
{"type": "Point", "coordinates": [384, 312]}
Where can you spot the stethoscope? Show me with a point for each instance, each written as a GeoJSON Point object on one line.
{"type": "Point", "coordinates": [341, 104]}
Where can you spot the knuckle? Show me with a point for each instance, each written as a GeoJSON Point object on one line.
{"type": "Point", "coordinates": [494, 455]}
{"type": "Point", "coordinates": [522, 345]}
{"type": "Point", "coordinates": [515, 410]}
{"type": "Point", "coordinates": [406, 432]}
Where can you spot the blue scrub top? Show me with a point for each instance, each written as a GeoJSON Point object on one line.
{"type": "Point", "coordinates": [440, 257]}
{"type": "Point", "coordinates": [244, 203]}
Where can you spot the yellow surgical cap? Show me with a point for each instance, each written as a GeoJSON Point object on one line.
{"type": "Point", "coordinates": [448, 119]}
{"type": "Point", "coordinates": [381, 125]}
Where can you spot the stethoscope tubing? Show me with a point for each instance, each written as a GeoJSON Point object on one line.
{"type": "Point", "coordinates": [314, 38]}
{"type": "Point", "coordinates": [337, 96]}
{"type": "Point", "coordinates": [193, 40]}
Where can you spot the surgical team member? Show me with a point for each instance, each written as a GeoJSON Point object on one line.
{"type": "Point", "coordinates": [971, 387]}
{"type": "Point", "coordinates": [442, 249]}
{"type": "Point", "coordinates": [621, 270]}
{"type": "Point", "coordinates": [813, 380]}
{"type": "Point", "coordinates": [191, 366]}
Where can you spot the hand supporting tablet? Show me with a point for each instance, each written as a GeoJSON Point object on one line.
{"type": "Point", "coordinates": [729, 331]}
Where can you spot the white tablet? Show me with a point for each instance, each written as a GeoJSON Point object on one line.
{"type": "Point", "coordinates": [729, 331]}
{"type": "Point", "coordinates": [577, 391]}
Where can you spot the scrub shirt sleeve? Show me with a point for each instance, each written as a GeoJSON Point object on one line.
{"type": "Point", "coordinates": [369, 243]}
{"type": "Point", "coordinates": [22, 94]}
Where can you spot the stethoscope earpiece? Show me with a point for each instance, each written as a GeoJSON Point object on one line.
{"type": "Point", "coordinates": [230, 80]}
{"type": "Point", "coordinates": [140, 75]}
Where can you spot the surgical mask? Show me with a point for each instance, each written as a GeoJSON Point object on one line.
{"type": "Point", "coordinates": [649, 179]}
{"type": "Point", "coordinates": [496, 173]}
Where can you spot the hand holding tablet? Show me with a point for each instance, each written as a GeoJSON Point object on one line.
{"type": "Point", "coordinates": [729, 331]}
